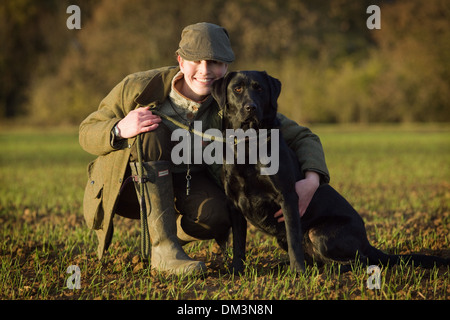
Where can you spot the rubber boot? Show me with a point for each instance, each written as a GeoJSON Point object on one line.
{"type": "Point", "coordinates": [166, 252]}
{"type": "Point", "coordinates": [183, 237]}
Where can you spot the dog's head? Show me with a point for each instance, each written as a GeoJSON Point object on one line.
{"type": "Point", "coordinates": [248, 99]}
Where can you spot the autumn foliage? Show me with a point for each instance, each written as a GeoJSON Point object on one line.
{"type": "Point", "coordinates": [332, 67]}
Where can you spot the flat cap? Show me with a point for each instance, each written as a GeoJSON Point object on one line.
{"type": "Point", "coordinates": [205, 41]}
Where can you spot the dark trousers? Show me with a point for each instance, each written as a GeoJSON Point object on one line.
{"type": "Point", "coordinates": [204, 212]}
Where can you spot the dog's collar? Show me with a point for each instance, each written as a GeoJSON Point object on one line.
{"type": "Point", "coordinates": [235, 141]}
{"type": "Point", "coordinates": [232, 139]}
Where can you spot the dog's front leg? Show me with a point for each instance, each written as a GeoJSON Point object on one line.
{"type": "Point", "coordinates": [239, 229]}
{"type": "Point", "coordinates": [293, 232]}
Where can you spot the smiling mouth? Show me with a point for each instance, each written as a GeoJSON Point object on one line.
{"type": "Point", "coordinates": [205, 81]}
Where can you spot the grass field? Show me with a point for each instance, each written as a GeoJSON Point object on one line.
{"type": "Point", "coordinates": [398, 178]}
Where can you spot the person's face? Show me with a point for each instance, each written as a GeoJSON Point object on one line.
{"type": "Point", "coordinates": [199, 77]}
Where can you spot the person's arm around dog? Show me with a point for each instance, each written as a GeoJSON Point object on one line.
{"type": "Point", "coordinates": [305, 189]}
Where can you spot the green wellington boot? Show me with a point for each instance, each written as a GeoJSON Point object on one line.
{"type": "Point", "coordinates": [154, 187]}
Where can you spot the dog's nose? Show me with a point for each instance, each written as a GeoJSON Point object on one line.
{"type": "Point", "coordinates": [250, 107]}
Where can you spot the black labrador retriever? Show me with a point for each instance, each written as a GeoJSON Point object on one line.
{"type": "Point", "coordinates": [330, 229]}
{"type": "Point", "coordinates": [249, 100]}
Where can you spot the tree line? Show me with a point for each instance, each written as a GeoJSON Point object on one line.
{"type": "Point", "coordinates": [333, 68]}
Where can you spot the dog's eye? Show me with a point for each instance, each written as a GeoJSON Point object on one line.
{"type": "Point", "coordinates": [258, 88]}
{"type": "Point", "coordinates": [238, 89]}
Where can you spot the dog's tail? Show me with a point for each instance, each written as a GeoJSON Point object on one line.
{"type": "Point", "coordinates": [377, 257]}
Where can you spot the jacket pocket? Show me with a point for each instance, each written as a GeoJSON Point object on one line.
{"type": "Point", "coordinates": [93, 197]}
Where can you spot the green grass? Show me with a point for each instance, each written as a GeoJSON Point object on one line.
{"type": "Point", "coordinates": [398, 178]}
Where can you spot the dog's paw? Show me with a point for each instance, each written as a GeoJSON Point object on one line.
{"type": "Point", "coordinates": [237, 268]}
{"type": "Point", "coordinates": [297, 267]}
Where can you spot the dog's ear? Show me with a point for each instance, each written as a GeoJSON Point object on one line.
{"type": "Point", "coordinates": [275, 90]}
{"type": "Point", "coordinates": [219, 89]}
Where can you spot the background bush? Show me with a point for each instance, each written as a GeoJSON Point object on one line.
{"type": "Point", "coordinates": [333, 68]}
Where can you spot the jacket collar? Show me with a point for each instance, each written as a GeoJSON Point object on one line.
{"type": "Point", "coordinates": [158, 88]}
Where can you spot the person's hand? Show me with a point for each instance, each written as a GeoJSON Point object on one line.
{"type": "Point", "coordinates": [138, 121]}
{"type": "Point", "coordinates": [305, 189]}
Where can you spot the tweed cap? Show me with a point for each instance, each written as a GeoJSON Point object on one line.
{"type": "Point", "coordinates": [205, 41]}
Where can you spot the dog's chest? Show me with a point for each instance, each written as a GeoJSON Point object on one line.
{"type": "Point", "coordinates": [258, 201]}
{"type": "Point", "coordinates": [252, 193]}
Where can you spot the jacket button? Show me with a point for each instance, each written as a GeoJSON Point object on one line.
{"type": "Point", "coordinates": [129, 146]}
{"type": "Point", "coordinates": [92, 182]}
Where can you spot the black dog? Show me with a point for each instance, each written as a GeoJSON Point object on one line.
{"type": "Point", "coordinates": [250, 102]}
{"type": "Point", "coordinates": [330, 229]}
